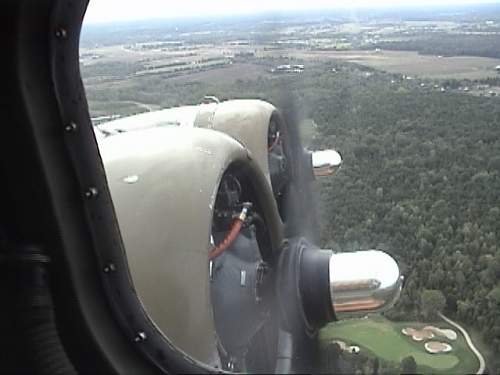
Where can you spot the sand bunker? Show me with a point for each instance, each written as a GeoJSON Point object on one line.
{"type": "Point", "coordinates": [346, 348]}
{"type": "Point", "coordinates": [418, 335]}
{"type": "Point", "coordinates": [343, 346]}
{"type": "Point", "coordinates": [435, 347]}
{"type": "Point", "coordinates": [354, 349]}
{"type": "Point", "coordinates": [429, 332]}
{"type": "Point", "coordinates": [447, 333]}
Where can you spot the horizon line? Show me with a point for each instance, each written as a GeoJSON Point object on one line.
{"type": "Point", "coordinates": [338, 7]}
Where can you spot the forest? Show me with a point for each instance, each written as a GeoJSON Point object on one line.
{"type": "Point", "coordinates": [422, 181]}
{"type": "Point", "coordinates": [446, 44]}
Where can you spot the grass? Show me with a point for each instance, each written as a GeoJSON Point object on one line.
{"type": "Point", "coordinates": [478, 341]}
{"type": "Point", "coordinates": [382, 338]}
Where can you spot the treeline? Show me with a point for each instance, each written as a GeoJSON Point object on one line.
{"type": "Point", "coordinates": [110, 69]}
{"type": "Point", "coordinates": [447, 45]}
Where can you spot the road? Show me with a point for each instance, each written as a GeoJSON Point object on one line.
{"type": "Point", "coordinates": [479, 356]}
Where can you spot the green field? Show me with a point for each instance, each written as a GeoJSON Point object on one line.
{"type": "Point", "coordinates": [382, 338]}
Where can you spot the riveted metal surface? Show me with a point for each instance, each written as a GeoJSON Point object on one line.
{"type": "Point", "coordinates": [247, 121]}
{"type": "Point", "coordinates": [165, 220]}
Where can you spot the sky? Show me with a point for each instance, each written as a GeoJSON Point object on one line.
{"type": "Point", "coordinates": [100, 11]}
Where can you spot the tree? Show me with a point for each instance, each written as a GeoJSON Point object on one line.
{"type": "Point", "coordinates": [376, 366]}
{"type": "Point", "coordinates": [494, 295]}
{"type": "Point", "coordinates": [408, 365]}
{"type": "Point", "coordinates": [432, 302]}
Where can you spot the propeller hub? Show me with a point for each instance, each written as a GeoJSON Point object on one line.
{"type": "Point", "coordinates": [316, 286]}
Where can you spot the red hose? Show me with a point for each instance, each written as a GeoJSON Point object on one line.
{"type": "Point", "coordinates": [275, 142]}
{"type": "Point", "coordinates": [228, 240]}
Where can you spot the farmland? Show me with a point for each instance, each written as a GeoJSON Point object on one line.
{"type": "Point", "coordinates": [120, 60]}
{"type": "Point", "coordinates": [414, 64]}
{"type": "Point", "coordinates": [119, 72]}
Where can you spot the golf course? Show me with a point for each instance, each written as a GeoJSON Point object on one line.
{"type": "Point", "coordinates": [379, 337]}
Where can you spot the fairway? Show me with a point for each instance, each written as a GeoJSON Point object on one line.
{"type": "Point", "coordinates": [383, 339]}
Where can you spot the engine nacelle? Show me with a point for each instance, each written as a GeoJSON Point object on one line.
{"type": "Point", "coordinates": [211, 205]}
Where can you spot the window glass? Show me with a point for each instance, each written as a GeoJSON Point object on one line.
{"type": "Point", "coordinates": [408, 95]}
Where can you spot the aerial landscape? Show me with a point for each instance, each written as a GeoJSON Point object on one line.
{"type": "Point", "coordinates": [411, 99]}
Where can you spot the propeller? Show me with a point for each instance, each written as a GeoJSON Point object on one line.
{"type": "Point", "coordinates": [317, 286]}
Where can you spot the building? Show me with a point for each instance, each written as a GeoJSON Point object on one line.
{"type": "Point", "coordinates": [297, 68]}
{"type": "Point", "coordinates": [282, 68]}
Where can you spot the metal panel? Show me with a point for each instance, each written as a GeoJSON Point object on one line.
{"type": "Point", "coordinates": [163, 184]}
